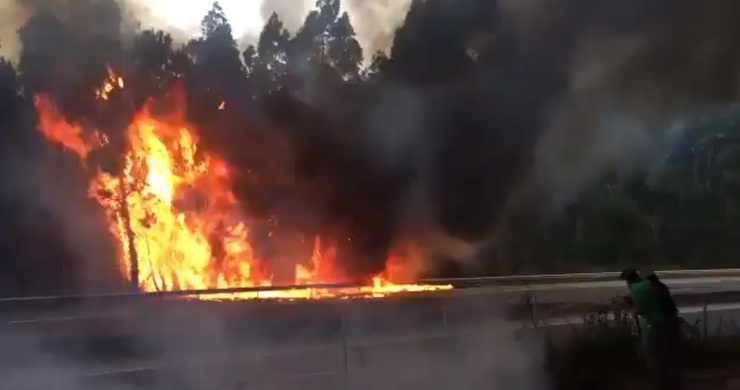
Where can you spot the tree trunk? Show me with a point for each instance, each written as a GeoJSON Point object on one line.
{"type": "Point", "coordinates": [133, 255]}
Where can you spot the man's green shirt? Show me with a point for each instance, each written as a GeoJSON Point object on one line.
{"type": "Point", "coordinates": [646, 301]}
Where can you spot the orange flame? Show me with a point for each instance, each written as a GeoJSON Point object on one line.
{"type": "Point", "coordinates": [173, 212]}
{"type": "Point", "coordinates": [55, 128]}
{"type": "Point", "coordinates": [111, 83]}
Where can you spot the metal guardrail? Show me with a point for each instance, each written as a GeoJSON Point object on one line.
{"type": "Point", "coordinates": [457, 282]}
{"type": "Point", "coordinates": [343, 346]}
{"type": "Point", "coordinates": [583, 277]}
{"type": "Point", "coordinates": [176, 293]}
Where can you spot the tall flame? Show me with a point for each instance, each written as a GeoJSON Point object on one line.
{"type": "Point", "coordinates": [174, 214]}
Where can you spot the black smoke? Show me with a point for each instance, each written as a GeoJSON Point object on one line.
{"type": "Point", "coordinates": [477, 105]}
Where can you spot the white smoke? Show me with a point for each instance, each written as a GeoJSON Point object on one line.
{"type": "Point", "coordinates": [203, 346]}
{"type": "Point", "coordinates": [12, 17]}
{"type": "Point", "coordinates": [375, 21]}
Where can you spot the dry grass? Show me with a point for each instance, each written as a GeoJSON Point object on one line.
{"type": "Point", "coordinates": [604, 354]}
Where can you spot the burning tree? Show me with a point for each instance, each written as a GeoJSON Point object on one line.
{"type": "Point", "coordinates": [172, 209]}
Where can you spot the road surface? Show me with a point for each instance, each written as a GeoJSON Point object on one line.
{"type": "Point", "coordinates": [370, 360]}
{"type": "Point", "coordinates": [272, 342]}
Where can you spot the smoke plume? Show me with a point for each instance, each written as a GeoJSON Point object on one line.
{"type": "Point", "coordinates": [160, 345]}
{"type": "Point", "coordinates": [482, 110]}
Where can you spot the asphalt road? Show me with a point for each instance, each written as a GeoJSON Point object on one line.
{"type": "Point", "coordinates": [566, 293]}
{"type": "Point", "coordinates": [598, 291]}
{"type": "Point", "coordinates": [427, 357]}
{"type": "Point", "coordinates": [102, 330]}
{"type": "Point", "coordinates": [279, 341]}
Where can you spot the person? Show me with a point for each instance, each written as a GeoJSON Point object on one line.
{"type": "Point", "coordinates": [642, 296]}
{"type": "Point", "coordinates": [660, 326]}
{"type": "Point", "coordinates": [665, 298]}
{"type": "Point", "coordinates": [671, 333]}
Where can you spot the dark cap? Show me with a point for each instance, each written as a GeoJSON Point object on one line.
{"type": "Point", "coordinates": [652, 276]}
{"type": "Point", "coordinates": [630, 274]}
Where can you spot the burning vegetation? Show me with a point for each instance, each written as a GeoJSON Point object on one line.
{"type": "Point", "coordinates": [179, 225]}
{"type": "Point", "coordinates": [307, 157]}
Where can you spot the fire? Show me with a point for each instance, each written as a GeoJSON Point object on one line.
{"type": "Point", "coordinates": [111, 83]}
{"type": "Point", "coordinates": [178, 224]}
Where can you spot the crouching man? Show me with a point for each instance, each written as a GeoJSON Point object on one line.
{"type": "Point", "coordinates": [662, 336]}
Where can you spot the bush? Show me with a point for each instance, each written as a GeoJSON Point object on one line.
{"type": "Point", "coordinates": [604, 353]}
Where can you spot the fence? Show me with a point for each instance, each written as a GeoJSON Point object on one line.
{"type": "Point", "coordinates": [343, 349]}
{"type": "Point", "coordinates": [338, 357]}
{"type": "Point", "coordinates": [459, 283]}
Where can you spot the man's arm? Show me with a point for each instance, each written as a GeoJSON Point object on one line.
{"type": "Point", "coordinates": [625, 303]}
{"type": "Point", "coordinates": [639, 295]}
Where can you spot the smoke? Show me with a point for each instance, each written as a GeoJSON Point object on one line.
{"type": "Point", "coordinates": [632, 81]}
{"type": "Point", "coordinates": [374, 21]}
{"type": "Point", "coordinates": [86, 17]}
{"type": "Point", "coordinates": [189, 345]}
{"type": "Point", "coordinates": [566, 92]}
{"type": "Point", "coordinates": [292, 13]}
{"type": "Point", "coordinates": [558, 93]}
{"type": "Point", "coordinates": [47, 185]}
{"type": "Point", "coordinates": [624, 80]}
{"type": "Point", "coordinates": [12, 17]}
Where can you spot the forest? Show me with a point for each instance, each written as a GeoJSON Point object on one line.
{"type": "Point", "coordinates": [548, 137]}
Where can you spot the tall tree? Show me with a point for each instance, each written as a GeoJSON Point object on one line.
{"type": "Point", "coordinates": [324, 51]}
{"type": "Point", "coordinates": [344, 52]}
{"type": "Point", "coordinates": [270, 68]}
{"type": "Point", "coordinates": [218, 72]}
{"type": "Point", "coordinates": [215, 21]}
{"type": "Point", "coordinates": [217, 62]}
{"type": "Point", "coordinates": [152, 51]}
{"type": "Point", "coordinates": [378, 65]}
{"type": "Point", "coordinates": [44, 40]}
{"type": "Point", "coordinates": [434, 42]}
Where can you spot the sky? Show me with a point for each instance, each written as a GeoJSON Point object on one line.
{"type": "Point", "coordinates": [374, 20]}
{"type": "Point", "coordinates": [245, 16]}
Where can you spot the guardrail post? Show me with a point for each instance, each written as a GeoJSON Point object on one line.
{"type": "Point", "coordinates": [444, 316]}
{"type": "Point", "coordinates": [345, 346]}
{"type": "Point", "coordinates": [705, 318]}
{"type": "Point", "coordinates": [533, 303]}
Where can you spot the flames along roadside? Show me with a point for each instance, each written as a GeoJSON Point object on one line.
{"type": "Point", "coordinates": [178, 224]}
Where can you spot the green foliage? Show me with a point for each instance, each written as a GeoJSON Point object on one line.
{"type": "Point", "coordinates": [215, 22]}
{"type": "Point", "coordinates": [682, 213]}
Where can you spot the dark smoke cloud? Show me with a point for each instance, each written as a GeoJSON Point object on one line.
{"type": "Point", "coordinates": [636, 72]}
{"type": "Point", "coordinates": [561, 93]}
{"type": "Point", "coordinates": [578, 88]}
{"type": "Point", "coordinates": [484, 111]}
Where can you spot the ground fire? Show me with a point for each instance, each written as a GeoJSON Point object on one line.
{"type": "Point", "coordinates": [176, 220]}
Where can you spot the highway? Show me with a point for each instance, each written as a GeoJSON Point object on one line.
{"type": "Point", "coordinates": [377, 360]}
{"type": "Point", "coordinates": [598, 291]}
{"type": "Point", "coordinates": [173, 340]}
{"type": "Point", "coordinates": [567, 289]}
